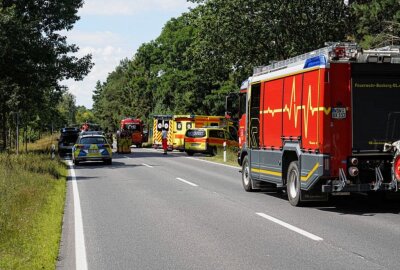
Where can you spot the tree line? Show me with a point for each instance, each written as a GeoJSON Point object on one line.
{"type": "Point", "coordinates": [34, 58]}
{"type": "Point", "coordinates": [207, 52]}
{"type": "Point", "coordinates": [198, 58]}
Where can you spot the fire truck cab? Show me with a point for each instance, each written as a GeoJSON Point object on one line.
{"type": "Point", "coordinates": [235, 109]}
{"type": "Point", "coordinates": [325, 122]}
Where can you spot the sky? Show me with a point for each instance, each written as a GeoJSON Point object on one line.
{"type": "Point", "coordinates": [114, 30]}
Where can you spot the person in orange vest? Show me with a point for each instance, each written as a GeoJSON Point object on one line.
{"type": "Point", "coordinates": [164, 140]}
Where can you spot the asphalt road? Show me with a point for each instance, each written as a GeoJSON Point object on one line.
{"type": "Point", "coordinates": [150, 211]}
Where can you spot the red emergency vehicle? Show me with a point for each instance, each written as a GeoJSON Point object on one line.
{"type": "Point", "coordinates": [134, 126]}
{"type": "Point", "coordinates": [324, 122]}
{"type": "Point", "coordinates": [235, 110]}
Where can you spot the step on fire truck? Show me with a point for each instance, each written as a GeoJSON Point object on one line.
{"type": "Point", "coordinates": [326, 122]}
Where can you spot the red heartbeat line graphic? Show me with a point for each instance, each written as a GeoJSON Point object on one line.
{"type": "Point", "coordinates": [293, 110]}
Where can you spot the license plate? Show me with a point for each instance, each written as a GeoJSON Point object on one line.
{"type": "Point", "coordinates": [93, 151]}
{"type": "Point", "coordinates": [195, 144]}
{"type": "Point", "coordinates": [338, 113]}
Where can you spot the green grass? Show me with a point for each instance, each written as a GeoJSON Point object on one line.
{"type": "Point", "coordinates": [44, 144]}
{"type": "Point", "coordinates": [231, 156]}
{"type": "Point", "coordinates": [32, 195]}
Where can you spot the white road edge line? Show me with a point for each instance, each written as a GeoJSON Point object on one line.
{"type": "Point", "coordinates": [291, 227]}
{"type": "Point", "coordinates": [80, 250]}
{"type": "Point", "coordinates": [187, 182]}
{"type": "Point", "coordinates": [148, 166]}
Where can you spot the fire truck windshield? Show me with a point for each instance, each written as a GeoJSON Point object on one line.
{"type": "Point", "coordinates": [132, 127]}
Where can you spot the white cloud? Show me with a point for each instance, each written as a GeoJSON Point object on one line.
{"type": "Point", "coordinates": [92, 38]}
{"type": "Point", "coordinates": [107, 51]}
{"type": "Point", "coordinates": [109, 40]}
{"type": "Point", "coordinates": [130, 7]}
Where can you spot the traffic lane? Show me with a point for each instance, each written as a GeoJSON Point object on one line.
{"type": "Point", "coordinates": [355, 224]}
{"type": "Point", "coordinates": [146, 219]}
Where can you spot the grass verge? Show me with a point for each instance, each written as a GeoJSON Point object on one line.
{"type": "Point", "coordinates": [44, 144]}
{"type": "Point", "coordinates": [32, 195]}
{"type": "Point", "coordinates": [231, 156]}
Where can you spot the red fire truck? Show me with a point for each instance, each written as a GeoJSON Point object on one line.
{"type": "Point", "coordinates": [326, 122]}
{"type": "Point", "coordinates": [135, 128]}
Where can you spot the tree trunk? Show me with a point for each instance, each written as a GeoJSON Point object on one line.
{"type": "Point", "coordinates": [26, 139]}
{"type": "Point", "coordinates": [3, 131]}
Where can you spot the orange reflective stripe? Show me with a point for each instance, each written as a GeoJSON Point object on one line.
{"type": "Point", "coordinates": [198, 140]}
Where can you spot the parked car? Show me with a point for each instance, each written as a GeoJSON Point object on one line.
{"type": "Point", "coordinates": [207, 140]}
{"type": "Point", "coordinates": [67, 139]}
{"type": "Point", "coordinates": [93, 147]}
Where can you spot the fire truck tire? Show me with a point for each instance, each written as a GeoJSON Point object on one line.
{"type": "Point", "coordinates": [76, 162]}
{"type": "Point", "coordinates": [246, 176]}
{"type": "Point", "coordinates": [293, 184]}
{"type": "Point", "coordinates": [189, 153]}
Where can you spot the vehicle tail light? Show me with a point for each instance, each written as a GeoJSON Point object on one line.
{"type": "Point", "coordinates": [396, 168]}
{"type": "Point", "coordinates": [353, 171]}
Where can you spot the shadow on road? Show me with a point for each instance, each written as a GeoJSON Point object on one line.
{"type": "Point", "coordinates": [148, 154]}
{"type": "Point", "coordinates": [100, 164]}
{"type": "Point", "coordinates": [82, 178]}
{"type": "Point", "coordinates": [356, 204]}
{"type": "Point", "coordinates": [362, 205]}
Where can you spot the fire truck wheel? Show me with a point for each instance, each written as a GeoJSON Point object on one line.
{"type": "Point", "coordinates": [293, 184]}
{"type": "Point", "coordinates": [246, 177]}
{"type": "Point", "coordinates": [189, 153]}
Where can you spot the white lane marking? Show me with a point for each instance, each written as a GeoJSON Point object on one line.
{"type": "Point", "coordinates": [291, 227]}
{"type": "Point", "coordinates": [207, 161]}
{"type": "Point", "coordinates": [216, 163]}
{"type": "Point", "coordinates": [187, 182]}
{"type": "Point", "coordinates": [144, 164]}
{"type": "Point", "coordinates": [80, 250]}
{"type": "Point", "coordinates": [148, 166]}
